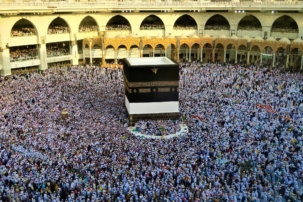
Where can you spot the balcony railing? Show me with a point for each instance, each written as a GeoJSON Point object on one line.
{"type": "Point", "coordinates": [135, 4]}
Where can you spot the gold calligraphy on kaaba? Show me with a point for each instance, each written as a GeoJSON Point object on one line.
{"type": "Point", "coordinates": [126, 87]}
{"type": "Point", "coordinates": [150, 83]}
{"type": "Point", "coordinates": [163, 89]}
{"type": "Point", "coordinates": [144, 90]}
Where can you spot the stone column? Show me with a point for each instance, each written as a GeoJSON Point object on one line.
{"type": "Point", "coordinates": [83, 53]}
{"type": "Point", "coordinates": [236, 57]}
{"type": "Point", "coordinates": [74, 53]}
{"type": "Point", "coordinates": [224, 56]}
{"type": "Point", "coordinates": [42, 54]}
{"type": "Point", "coordinates": [90, 56]}
{"type": "Point", "coordinates": [6, 63]}
{"type": "Point", "coordinates": [261, 59]}
{"type": "Point", "coordinates": [201, 58]}
{"type": "Point", "coordinates": [178, 54]}
{"type": "Point", "coordinates": [186, 54]}
{"type": "Point", "coordinates": [273, 59]}
{"type": "Point", "coordinates": [115, 56]}
{"type": "Point", "coordinates": [189, 55]}
{"type": "Point", "coordinates": [103, 58]}
{"type": "Point", "coordinates": [198, 54]}
{"type": "Point", "coordinates": [248, 57]}
{"type": "Point", "coordinates": [213, 56]}
{"type": "Point", "coordinates": [301, 62]}
{"type": "Point", "coordinates": [287, 60]}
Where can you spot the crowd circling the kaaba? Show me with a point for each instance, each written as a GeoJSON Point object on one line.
{"type": "Point", "coordinates": [244, 141]}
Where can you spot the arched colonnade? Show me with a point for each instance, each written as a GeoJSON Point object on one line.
{"type": "Point", "coordinates": [224, 49]}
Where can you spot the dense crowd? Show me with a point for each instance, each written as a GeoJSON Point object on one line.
{"type": "Point", "coordinates": [158, 127]}
{"type": "Point", "coordinates": [217, 27]}
{"type": "Point", "coordinates": [24, 31]}
{"type": "Point", "coordinates": [244, 141]}
{"type": "Point", "coordinates": [88, 28]}
{"type": "Point", "coordinates": [54, 51]}
{"type": "Point", "coordinates": [249, 27]}
{"type": "Point", "coordinates": [23, 53]}
{"type": "Point", "coordinates": [58, 30]}
{"type": "Point", "coordinates": [118, 27]}
{"type": "Point", "coordinates": [151, 26]}
{"type": "Point", "coordinates": [185, 27]}
{"type": "Point", "coordinates": [284, 29]}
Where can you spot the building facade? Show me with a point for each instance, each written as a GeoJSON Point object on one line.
{"type": "Point", "coordinates": [42, 34]}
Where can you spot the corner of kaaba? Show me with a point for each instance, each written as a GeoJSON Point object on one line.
{"type": "Point", "coordinates": [151, 88]}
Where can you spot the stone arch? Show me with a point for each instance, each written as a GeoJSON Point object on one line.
{"type": "Point", "coordinates": [19, 26]}
{"type": "Point", "coordinates": [219, 45]}
{"type": "Point", "coordinates": [230, 53]}
{"type": "Point", "coordinates": [284, 22]}
{"type": "Point", "coordinates": [110, 46]}
{"type": "Point", "coordinates": [88, 24]}
{"type": "Point", "coordinates": [195, 53]}
{"type": "Point", "coordinates": [109, 53]}
{"type": "Point", "coordinates": [96, 46]}
{"type": "Point", "coordinates": [160, 50]}
{"type": "Point", "coordinates": [184, 44]}
{"type": "Point", "coordinates": [195, 45]}
{"type": "Point", "coordinates": [122, 51]}
{"type": "Point", "coordinates": [183, 53]}
{"type": "Point", "coordinates": [185, 21]}
{"type": "Point", "coordinates": [280, 58]}
{"type": "Point", "coordinates": [249, 22]}
{"type": "Point", "coordinates": [118, 22]}
{"type": "Point", "coordinates": [207, 46]}
{"type": "Point", "coordinates": [280, 49]}
{"type": "Point", "coordinates": [152, 22]}
{"type": "Point", "coordinates": [267, 61]}
{"type": "Point", "coordinates": [207, 52]}
{"type": "Point", "coordinates": [217, 21]}
{"type": "Point", "coordinates": [86, 42]}
{"type": "Point", "coordinates": [229, 46]}
{"type": "Point", "coordinates": [268, 50]}
{"type": "Point", "coordinates": [58, 25]}
{"type": "Point", "coordinates": [255, 54]}
{"type": "Point", "coordinates": [255, 48]}
{"type": "Point", "coordinates": [242, 53]}
{"type": "Point", "coordinates": [172, 51]}
{"type": "Point", "coordinates": [147, 50]}
{"type": "Point", "coordinates": [134, 51]}
{"type": "Point", "coordinates": [242, 47]}
{"type": "Point", "coordinates": [148, 45]}
{"type": "Point", "coordinates": [160, 44]}
{"type": "Point", "coordinates": [219, 52]}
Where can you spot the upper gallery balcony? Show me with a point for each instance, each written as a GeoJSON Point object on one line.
{"type": "Point", "coordinates": [12, 7]}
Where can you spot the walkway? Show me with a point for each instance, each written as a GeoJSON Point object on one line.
{"type": "Point", "coordinates": [183, 131]}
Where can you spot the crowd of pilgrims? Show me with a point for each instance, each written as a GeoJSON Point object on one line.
{"type": "Point", "coordinates": [158, 127]}
{"type": "Point", "coordinates": [235, 150]}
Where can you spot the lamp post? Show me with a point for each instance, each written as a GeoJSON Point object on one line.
{"type": "Point", "coordinates": [162, 131]}
{"type": "Point", "coordinates": [183, 120]}
{"type": "Point", "coordinates": [64, 114]}
{"type": "Point", "coordinates": [131, 122]}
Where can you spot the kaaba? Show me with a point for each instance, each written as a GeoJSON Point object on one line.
{"type": "Point", "coordinates": [151, 87]}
